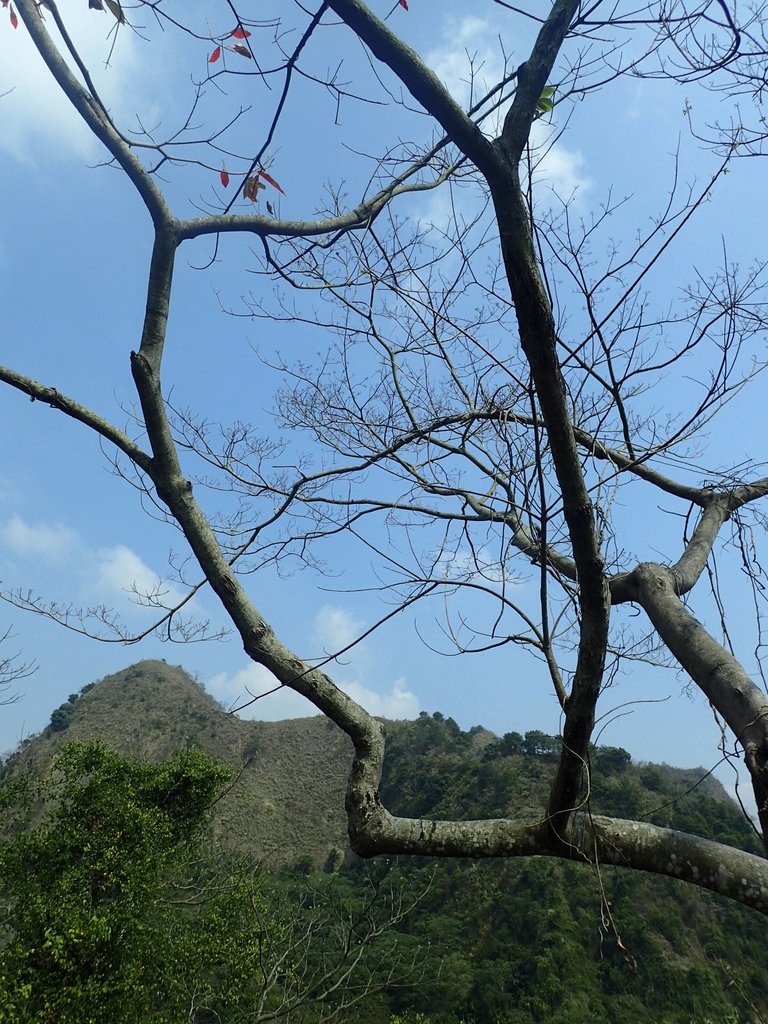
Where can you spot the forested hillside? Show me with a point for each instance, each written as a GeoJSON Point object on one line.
{"type": "Point", "coordinates": [538, 940]}
{"type": "Point", "coordinates": [497, 942]}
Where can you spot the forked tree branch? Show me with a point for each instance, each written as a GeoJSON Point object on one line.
{"type": "Point", "coordinates": [588, 838]}
{"type": "Point", "coordinates": [90, 109]}
{"type": "Point", "coordinates": [563, 831]}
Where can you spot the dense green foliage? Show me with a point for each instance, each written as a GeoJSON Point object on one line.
{"type": "Point", "coordinates": [540, 940]}
{"type": "Point", "coordinates": [90, 930]}
{"type": "Point", "coordinates": [113, 910]}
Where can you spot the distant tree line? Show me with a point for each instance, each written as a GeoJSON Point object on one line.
{"type": "Point", "coordinates": [533, 743]}
{"type": "Point", "coordinates": [61, 716]}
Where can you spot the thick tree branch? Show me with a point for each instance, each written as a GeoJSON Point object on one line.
{"type": "Point", "coordinates": [259, 640]}
{"type": "Point", "coordinates": [639, 468]}
{"type": "Point", "coordinates": [717, 509]}
{"type": "Point", "coordinates": [532, 77]}
{"type": "Point", "coordinates": [422, 83]}
{"type": "Point", "coordinates": [592, 839]}
{"type": "Point", "coordinates": [636, 465]}
{"type": "Point", "coordinates": [719, 676]}
{"type": "Point", "coordinates": [539, 342]}
{"type": "Point", "coordinates": [717, 673]}
{"type": "Point", "coordinates": [745, 493]}
{"type": "Point", "coordinates": [691, 564]}
{"type": "Point", "coordinates": [56, 400]}
{"type": "Point", "coordinates": [537, 335]}
{"type": "Point", "coordinates": [360, 218]}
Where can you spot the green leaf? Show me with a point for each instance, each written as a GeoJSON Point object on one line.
{"type": "Point", "coordinates": [546, 102]}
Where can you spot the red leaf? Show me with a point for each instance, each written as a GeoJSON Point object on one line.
{"type": "Point", "coordinates": [251, 188]}
{"type": "Point", "coordinates": [271, 181]}
{"type": "Point", "coordinates": [404, 3]}
{"type": "Point", "coordinates": [242, 50]}
{"type": "Point", "coordinates": [224, 177]}
{"type": "Point", "coordinates": [14, 19]}
{"type": "Point", "coordinates": [240, 33]}
{"type": "Point", "coordinates": [215, 55]}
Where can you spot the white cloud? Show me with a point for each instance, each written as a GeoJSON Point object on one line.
{"type": "Point", "coordinates": [39, 123]}
{"type": "Point", "coordinates": [255, 681]}
{"type": "Point", "coordinates": [468, 61]}
{"type": "Point", "coordinates": [120, 567]}
{"type": "Point", "coordinates": [556, 167]}
{"type": "Point", "coordinates": [114, 576]}
{"type": "Point", "coordinates": [335, 629]}
{"type": "Point", "coordinates": [123, 576]}
{"type": "Point", "coordinates": [470, 53]}
{"type": "Point", "coordinates": [49, 543]}
{"type": "Point", "coordinates": [399, 702]}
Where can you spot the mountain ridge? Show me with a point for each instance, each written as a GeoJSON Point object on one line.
{"type": "Point", "coordinates": [288, 799]}
{"type": "Point", "coordinates": [291, 775]}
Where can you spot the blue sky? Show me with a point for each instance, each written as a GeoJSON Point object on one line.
{"type": "Point", "coordinates": [74, 243]}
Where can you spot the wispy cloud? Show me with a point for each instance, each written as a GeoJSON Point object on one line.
{"type": "Point", "coordinates": [557, 168]}
{"type": "Point", "coordinates": [274, 703]}
{"type": "Point", "coordinates": [254, 681]}
{"type": "Point", "coordinates": [336, 628]}
{"type": "Point", "coordinates": [468, 60]}
{"type": "Point", "coordinates": [114, 576]}
{"type": "Point", "coordinates": [39, 123]}
{"type": "Point", "coordinates": [119, 571]}
{"type": "Point", "coordinates": [38, 541]}
{"type": "Point", "coordinates": [397, 702]}
{"type": "Point", "coordinates": [333, 629]}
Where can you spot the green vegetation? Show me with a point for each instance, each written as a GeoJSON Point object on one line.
{"type": "Point", "coordinates": [113, 910]}
{"type": "Point", "coordinates": [154, 710]}
{"type": "Point", "coordinates": [539, 940]}
{"type": "Point", "coordinates": [91, 932]}
{"type": "Point", "coordinates": [61, 715]}
{"type": "Point", "coordinates": [118, 901]}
